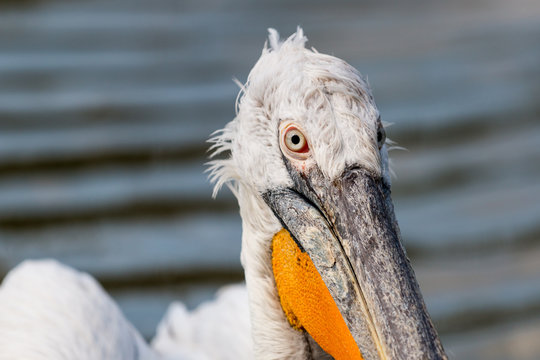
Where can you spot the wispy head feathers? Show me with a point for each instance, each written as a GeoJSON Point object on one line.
{"type": "Point", "coordinates": [327, 97]}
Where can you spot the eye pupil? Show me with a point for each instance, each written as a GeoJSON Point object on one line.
{"type": "Point", "coordinates": [295, 139]}
{"type": "Point", "coordinates": [379, 136]}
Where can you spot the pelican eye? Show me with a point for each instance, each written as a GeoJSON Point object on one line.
{"type": "Point", "coordinates": [294, 142]}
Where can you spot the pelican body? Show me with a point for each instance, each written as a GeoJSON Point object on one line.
{"type": "Point", "coordinates": [326, 273]}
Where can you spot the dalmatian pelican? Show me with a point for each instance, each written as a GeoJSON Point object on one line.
{"type": "Point", "coordinates": [326, 273]}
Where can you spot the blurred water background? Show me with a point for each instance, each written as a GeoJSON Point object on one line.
{"type": "Point", "coordinates": [105, 107]}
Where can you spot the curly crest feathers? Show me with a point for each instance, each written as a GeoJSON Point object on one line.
{"type": "Point", "coordinates": [222, 171]}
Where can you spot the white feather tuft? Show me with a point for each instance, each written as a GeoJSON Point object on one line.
{"type": "Point", "coordinates": [222, 171]}
{"type": "Point", "coordinates": [273, 38]}
{"type": "Point", "coordinates": [297, 39]}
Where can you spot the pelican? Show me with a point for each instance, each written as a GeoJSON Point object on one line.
{"type": "Point", "coordinates": [326, 273]}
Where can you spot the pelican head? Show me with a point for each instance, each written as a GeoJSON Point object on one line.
{"type": "Point", "coordinates": [321, 249]}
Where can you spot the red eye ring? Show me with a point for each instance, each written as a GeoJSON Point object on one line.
{"type": "Point", "coordinates": [295, 141]}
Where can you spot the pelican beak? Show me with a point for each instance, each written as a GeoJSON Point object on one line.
{"type": "Point", "coordinates": [348, 229]}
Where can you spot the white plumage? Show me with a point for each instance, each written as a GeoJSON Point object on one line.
{"type": "Point", "coordinates": [217, 329]}
{"type": "Point", "coordinates": [49, 311]}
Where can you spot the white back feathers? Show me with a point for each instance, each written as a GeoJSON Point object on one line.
{"type": "Point", "coordinates": [50, 311]}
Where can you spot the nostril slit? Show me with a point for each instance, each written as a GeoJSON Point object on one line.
{"type": "Point", "coordinates": [350, 175]}
{"type": "Point", "coordinates": [351, 172]}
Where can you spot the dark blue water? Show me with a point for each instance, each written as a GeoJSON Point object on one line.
{"type": "Point", "coordinates": [105, 108]}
